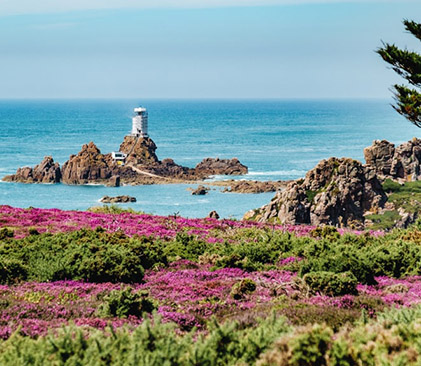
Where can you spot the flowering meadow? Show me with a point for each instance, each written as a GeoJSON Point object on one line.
{"type": "Point", "coordinates": [99, 288]}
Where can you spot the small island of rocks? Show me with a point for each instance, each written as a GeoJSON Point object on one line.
{"type": "Point", "coordinates": [134, 163]}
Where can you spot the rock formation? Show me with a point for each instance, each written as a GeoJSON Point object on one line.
{"type": "Point", "coordinates": [210, 166]}
{"type": "Point", "coordinates": [200, 191]}
{"type": "Point", "coordinates": [336, 192]}
{"type": "Point", "coordinates": [213, 215]}
{"type": "Point", "coordinates": [118, 199]}
{"type": "Point", "coordinates": [401, 163]}
{"type": "Point", "coordinates": [141, 166]}
{"type": "Point", "coordinates": [45, 172]}
{"type": "Point", "coordinates": [88, 166]}
{"type": "Point", "coordinates": [139, 151]}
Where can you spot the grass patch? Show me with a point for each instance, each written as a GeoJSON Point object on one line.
{"type": "Point", "coordinates": [407, 196]}
{"type": "Point", "coordinates": [384, 221]}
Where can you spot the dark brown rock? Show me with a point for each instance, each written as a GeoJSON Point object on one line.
{"type": "Point", "coordinates": [210, 166]}
{"type": "Point", "coordinates": [45, 172]}
{"type": "Point", "coordinates": [336, 192]}
{"type": "Point", "coordinates": [114, 181]}
{"type": "Point", "coordinates": [118, 199]}
{"type": "Point", "coordinates": [200, 191]}
{"type": "Point", "coordinates": [88, 166]}
{"type": "Point", "coordinates": [213, 215]}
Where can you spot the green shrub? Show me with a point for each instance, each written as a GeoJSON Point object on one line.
{"type": "Point", "coordinates": [244, 287]}
{"type": "Point", "coordinates": [33, 231]}
{"type": "Point", "coordinates": [124, 302]}
{"type": "Point", "coordinates": [88, 255]}
{"type": "Point", "coordinates": [6, 233]}
{"type": "Point", "coordinates": [12, 270]}
{"type": "Point", "coordinates": [332, 284]}
{"type": "Point", "coordinates": [325, 232]}
{"type": "Point", "coordinates": [307, 346]}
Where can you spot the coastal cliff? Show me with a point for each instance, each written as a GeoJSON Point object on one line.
{"type": "Point", "coordinates": [336, 192]}
{"type": "Point", "coordinates": [383, 193]}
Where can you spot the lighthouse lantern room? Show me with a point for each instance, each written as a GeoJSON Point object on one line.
{"type": "Point", "coordinates": [140, 122]}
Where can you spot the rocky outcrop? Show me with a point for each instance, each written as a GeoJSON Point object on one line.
{"type": "Point", "coordinates": [139, 151]}
{"type": "Point", "coordinates": [169, 169]}
{"type": "Point", "coordinates": [114, 181]}
{"type": "Point", "coordinates": [210, 166]}
{"type": "Point", "coordinates": [402, 163]}
{"type": "Point", "coordinates": [200, 191]}
{"type": "Point", "coordinates": [141, 166]}
{"type": "Point", "coordinates": [213, 215]}
{"type": "Point", "coordinates": [88, 166]}
{"type": "Point", "coordinates": [336, 192]}
{"type": "Point", "coordinates": [118, 199]}
{"type": "Point", "coordinates": [45, 172]}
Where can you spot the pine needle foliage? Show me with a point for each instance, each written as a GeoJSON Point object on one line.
{"type": "Point", "coordinates": [407, 64]}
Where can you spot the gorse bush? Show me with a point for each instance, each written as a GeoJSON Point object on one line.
{"type": "Point", "coordinates": [12, 270]}
{"type": "Point", "coordinates": [271, 342]}
{"type": "Point", "coordinates": [90, 255]}
{"type": "Point", "coordinates": [332, 284]}
{"type": "Point", "coordinates": [6, 233]}
{"type": "Point", "coordinates": [152, 343]}
{"type": "Point", "coordinates": [98, 256]}
{"type": "Point", "coordinates": [125, 302]}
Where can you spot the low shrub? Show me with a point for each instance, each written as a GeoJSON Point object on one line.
{"type": "Point", "coordinates": [6, 233]}
{"type": "Point", "coordinates": [332, 284]}
{"type": "Point", "coordinates": [124, 302]}
{"type": "Point", "coordinates": [12, 270]}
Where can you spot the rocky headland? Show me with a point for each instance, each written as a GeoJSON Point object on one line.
{"type": "Point", "coordinates": [346, 193]}
{"type": "Point", "coordinates": [141, 166]}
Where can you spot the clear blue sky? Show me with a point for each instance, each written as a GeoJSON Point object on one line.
{"type": "Point", "coordinates": [220, 49]}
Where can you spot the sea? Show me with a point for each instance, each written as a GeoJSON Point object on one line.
{"type": "Point", "coordinates": [276, 139]}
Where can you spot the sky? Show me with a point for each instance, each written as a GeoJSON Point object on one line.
{"type": "Point", "coordinates": [285, 49]}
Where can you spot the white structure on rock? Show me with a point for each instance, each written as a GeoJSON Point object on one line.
{"type": "Point", "coordinates": [140, 122]}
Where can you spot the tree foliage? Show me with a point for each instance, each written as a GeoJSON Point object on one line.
{"type": "Point", "coordinates": [408, 65]}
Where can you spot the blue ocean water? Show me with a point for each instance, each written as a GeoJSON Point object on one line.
{"type": "Point", "coordinates": [276, 139]}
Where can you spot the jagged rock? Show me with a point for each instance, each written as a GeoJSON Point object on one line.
{"type": "Point", "coordinates": [88, 166]}
{"type": "Point", "coordinates": [140, 151]}
{"type": "Point", "coordinates": [213, 215]}
{"type": "Point", "coordinates": [210, 166]}
{"type": "Point", "coordinates": [45, 172]}
{"type": "Point", "coordinates": [168, 168]}
{"type": "Point", "coordinates": [200, 191]}
{"type": "Point", "coordinates": [407, 218]}
{"type": "Point", "coordinates": [117, 199]}
{"type": "Point", "coordinates": [380, 156]}
{"type": "Point", "coordinates": [336, 192]}
{"type": "Point", "coordinates": [401, 163]}
{"type": "Point", "coordinates": [140, 167]}
{"type": "Point", "coordinates": [114, 181]}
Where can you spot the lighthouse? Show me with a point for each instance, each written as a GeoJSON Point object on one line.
{"type": "Point", "coordinates": [140, 122]}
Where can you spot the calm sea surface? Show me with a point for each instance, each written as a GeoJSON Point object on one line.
{"type": "Point", "coordinates": [275, 139]}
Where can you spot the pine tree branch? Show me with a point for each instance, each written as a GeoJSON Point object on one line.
{"type": "Point", "coordinates": [408, 103]}
{"type": "Point", "coordinates": [405, 63]}
{"type": "Point", "coordinates": [413, 28]}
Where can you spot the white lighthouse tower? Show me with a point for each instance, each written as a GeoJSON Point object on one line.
{"type": "Point", "coordinates": [140, 122]}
